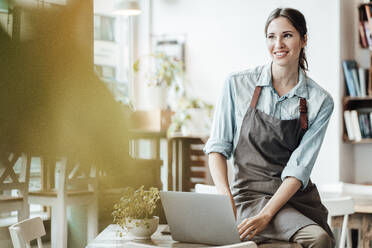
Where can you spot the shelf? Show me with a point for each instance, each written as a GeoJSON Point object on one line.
{"type": "Point", "coordinates": [357, 98]}
{"type": "Point", "coordinates": [363, 141]}
{"type": "Point", "coordinates": [350, 102]}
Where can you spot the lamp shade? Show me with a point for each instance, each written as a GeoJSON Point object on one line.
{"type": "Point", "coordinates": [126, 7]}
{"type": "Point", "coordinates": [4, 5]}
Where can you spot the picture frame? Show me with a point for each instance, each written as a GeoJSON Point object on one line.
{"type": "Point", "coordinates": [171, 45]}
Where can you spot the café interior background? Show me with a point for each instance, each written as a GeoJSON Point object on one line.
{"type": "Point", "coordinates": [228, 35]}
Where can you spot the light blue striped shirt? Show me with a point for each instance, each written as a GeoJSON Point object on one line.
{"type": "Point", "coordinates": [234, 102]}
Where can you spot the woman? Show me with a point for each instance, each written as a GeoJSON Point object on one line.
{"type": "Point", "coordinates": [272, 119]}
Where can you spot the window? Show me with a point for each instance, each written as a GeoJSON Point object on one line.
{"type": "Point", "coordinates": [112, 54]}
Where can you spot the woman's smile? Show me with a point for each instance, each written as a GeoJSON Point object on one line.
{"type": "Point", "coordinates": [281, 54]}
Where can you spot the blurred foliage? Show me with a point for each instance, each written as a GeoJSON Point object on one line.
{"type": "Point", "coordinates": [51, 101]}
{"type": "Point", "coordinates": [163, 70]}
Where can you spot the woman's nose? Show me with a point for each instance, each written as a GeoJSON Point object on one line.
{"type": "Point", "coordinates": [278, 42]}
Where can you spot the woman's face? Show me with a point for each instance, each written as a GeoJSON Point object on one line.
{"type": "Point", "coordinates": [284, 42]}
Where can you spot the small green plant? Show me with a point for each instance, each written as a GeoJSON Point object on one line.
{"type": "Point", "coordinates": [135, 204]}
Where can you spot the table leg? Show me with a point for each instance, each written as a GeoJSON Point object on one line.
{"type": "Point", "coordinates": [170, 164]}
{"type": "Point", "coordinates": [367, 230]}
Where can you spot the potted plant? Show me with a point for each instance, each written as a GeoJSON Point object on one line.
{"type": "Point", "coordinates": [134, 212]}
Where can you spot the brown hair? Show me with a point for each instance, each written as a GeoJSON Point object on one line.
{"type": "Point", "coordinates": [297, 19]}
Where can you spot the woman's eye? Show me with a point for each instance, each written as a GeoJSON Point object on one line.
{"type": "Point", "coordinates": [270, 37]}
{"type": "Point", "coordinates": [287, 35]}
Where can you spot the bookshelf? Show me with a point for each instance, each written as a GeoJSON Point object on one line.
{"type": "Point", "coordinates": [358, 87]}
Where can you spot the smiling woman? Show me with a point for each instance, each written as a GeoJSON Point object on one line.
{"type": "Point", "coordinates": [273, 151]}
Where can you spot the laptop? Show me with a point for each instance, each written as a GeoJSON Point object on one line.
{"type": "Point", "coordinates": [200, 218]}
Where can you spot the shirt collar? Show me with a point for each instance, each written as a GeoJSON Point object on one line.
{"type": "Point", "coordinates": [299, 90]}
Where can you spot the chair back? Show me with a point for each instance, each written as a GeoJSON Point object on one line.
{"type": "Point", "coordinates": [25, 231]}
{"type": "Point", "coordinates": [187, 163]}
{"type": "Point", "coordinates": [9, 179]}
{"type": "Point", "coordinates": [80, 176]}
{"type": "Point", "coordinates": [70, 175]}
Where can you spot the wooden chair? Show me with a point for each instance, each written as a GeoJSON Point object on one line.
{"type": "Point", "coordinates": [76, 187]}
{"type": "Point", "coordinates": [187, 163]}
{"type": "Point", "coordinates": [25, 231]}
{"type": "Point", "coordinates": [9, 181]}
{"type": "Point", "coordinates": [340, 206]}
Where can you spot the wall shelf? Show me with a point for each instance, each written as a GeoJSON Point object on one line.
{"type": "Point", "coordinates": [357, 102]}
{"type": "Point", "coordinates": [363, 141]}
{"type": "Point", "coordinates": [350, 98]}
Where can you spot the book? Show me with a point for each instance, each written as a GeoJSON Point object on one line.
{"type": "Point", "coordinates": [369, 83]}
{"type": "Point", "coordinates": [368, 13]}
{"type": "Point", "coordinates": [361, 125]}
{"type": "Point", "coordinates": [346, 65]}
{"type": "Point", "coordinates": [362, 35]}
{"type": "Point", "coordinates": [368, 33]}
{"type": "Point", "coordinates": [348, 125]}
{"type": "Point", "coordinates": [364, 125]}
{"type": "Point", "coordinates": [355, 125]}
{"type": "Point", "coordinates": [355, 78]}
{"type": "Point", "coordinates": [367, 125]}
{"type": "Point", "coordinates": [370, 120]}
{"type": "Point", "coordinates": [362, 81]}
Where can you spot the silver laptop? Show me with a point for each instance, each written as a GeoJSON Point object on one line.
{"type": "Point", "coordinates": [200, 218]}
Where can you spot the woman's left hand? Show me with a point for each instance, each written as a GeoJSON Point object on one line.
{"type": "Point", "coordinates": [254, 225]}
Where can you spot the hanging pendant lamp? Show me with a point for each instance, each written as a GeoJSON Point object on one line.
{"type": "Point", "coordinates": [127, 7]}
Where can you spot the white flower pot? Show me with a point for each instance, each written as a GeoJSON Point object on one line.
{"type": "Point", "coordinates": [156, 97]}
{"type": "Point", "coordinates": [142, 228]}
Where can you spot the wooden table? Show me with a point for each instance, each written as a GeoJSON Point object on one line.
{"type": "Point", "coordinates": [110, 237]}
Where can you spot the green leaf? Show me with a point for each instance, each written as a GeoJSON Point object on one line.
{"type": "Point", "coordinates": [136, 66]}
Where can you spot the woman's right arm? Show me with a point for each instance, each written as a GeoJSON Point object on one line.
{"type": "Point", "coordinates": [220, 143]}
{"type": "Point", "coordinates": [218, 168]}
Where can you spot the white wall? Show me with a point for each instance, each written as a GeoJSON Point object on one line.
{"type": "Point", "coordinates": [228, 35]}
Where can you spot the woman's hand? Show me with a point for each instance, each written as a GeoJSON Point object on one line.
{"type": "Point", "coordinates": [254, 225]}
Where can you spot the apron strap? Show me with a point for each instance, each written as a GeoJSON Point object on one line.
{"type": "Point", "coordinates": [255, 96]}
{"type": "Point", "coordinates": [303, 113]}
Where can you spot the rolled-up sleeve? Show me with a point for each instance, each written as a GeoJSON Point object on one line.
{"type": "Point", "coordinates": [303, 157]}
{"type": "Point", "coordinates": [223, 127]}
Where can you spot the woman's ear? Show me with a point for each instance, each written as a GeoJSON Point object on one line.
{"type": "Point", "coordinates": [304, 41]}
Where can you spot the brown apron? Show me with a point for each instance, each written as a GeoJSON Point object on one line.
{"type": "Point", "coordinates": [264, 147]}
